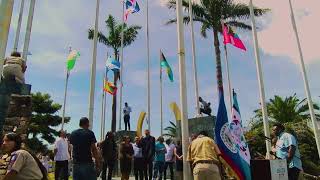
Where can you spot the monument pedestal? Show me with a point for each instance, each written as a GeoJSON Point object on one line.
{"type": "Point", "coordinates": [15, 107]}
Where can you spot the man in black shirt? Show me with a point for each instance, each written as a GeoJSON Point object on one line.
{"type": "Point", "coordinates": [83, 142]}
{"type": "Point", "coordinates": [148, 150]}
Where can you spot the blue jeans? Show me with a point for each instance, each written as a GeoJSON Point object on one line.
{"type": "Point", "coordinates": [84, 171]}
{"type": "Point", "coordinates": [158, 167]}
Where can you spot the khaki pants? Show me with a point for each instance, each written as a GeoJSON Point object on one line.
{"type": "Point", "coordinates": [206, 172]}
{"type": "Point", "coordinates": [13, 70]}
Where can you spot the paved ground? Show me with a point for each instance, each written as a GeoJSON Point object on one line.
{"type": "Point", "coordinates": [131, 178]}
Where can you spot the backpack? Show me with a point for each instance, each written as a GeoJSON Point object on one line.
{"type": "Point", "coordinates": [41, 167]}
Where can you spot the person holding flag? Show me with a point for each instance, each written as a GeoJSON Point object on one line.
{"type": "Point", "coordinates": [204, 155]}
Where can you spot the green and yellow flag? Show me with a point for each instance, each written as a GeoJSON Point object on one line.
{"type": "Point", "coordinates": [71, 61]}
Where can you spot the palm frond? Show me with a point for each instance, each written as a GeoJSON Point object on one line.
{"type": "Point", "coordinates": [239, 25]}
{"type": "Point", "coordinates": [204, 28]}
{"type": "Point", "coordinates": [101, 37]}
{"type": "Point", "coordinates": [173, 124]}
{"type": "Point", "coordinates": [241, 11]}
{"type": "Point", "coordinates": [111, 24]}
{"type": "Point", "coordinates": [130, 34]}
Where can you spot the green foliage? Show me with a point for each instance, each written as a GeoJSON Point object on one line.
{"type": "Point", "coordinates": [113, 37]}
{"type": "Point", "coordinates": [210, 13]}
{"type": "Point", "coordinates": [44, 120]}
{"type": "Point", "coordinates": [171, 131]}
{"type": "Point", "coordinates": [288, 109]}
{"type": "Point", "coordinates": [294, 114]}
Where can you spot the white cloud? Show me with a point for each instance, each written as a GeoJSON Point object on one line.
{"type": "Point", "coordinates": [47, 59]}
{"type": "Point", "coordinates": [278, 39]}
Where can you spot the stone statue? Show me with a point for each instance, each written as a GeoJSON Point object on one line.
{"type": "Point", "coordinates": [14, 68]}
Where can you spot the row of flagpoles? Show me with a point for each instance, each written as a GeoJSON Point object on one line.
{"type": "Point", "coordinates": [6, 9]}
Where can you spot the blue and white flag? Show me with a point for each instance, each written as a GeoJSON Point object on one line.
{"type": "Point", "coordinates": [225, 141]}
{"type": "Point", "coordinates": [239, 140]}
{"type": "Point", "coordinates": [112, 65]}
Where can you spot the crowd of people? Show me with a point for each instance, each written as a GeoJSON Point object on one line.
{"type": "Point", "coordinates": [151, 158]}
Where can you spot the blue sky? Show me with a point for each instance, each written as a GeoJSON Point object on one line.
{"type": "Point", "coordinates": [59, 24]}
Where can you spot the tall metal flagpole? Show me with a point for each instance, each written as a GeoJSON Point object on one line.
{"type": "Point", "coordinates": [148, 66]}
{"type": "Point", "coordinates": [6, 8]}
{"type": "Point", "coordinates": [194, 63]}
{"type": "Point", "coordinates": [65, 96]}
{"type": "Point", "coordinates": [183, 89]}
{"type": "Point", "coordinates": [28, 32]}
{"type": "Point", "coordinates": [305, 80]}
{"type": "Point", "coordinates": [16, 40]}
{"type": "Point", "coordinates": [104, 115]}
{"type": "Point", "coordinates": [260, 80]}
{"type": "Point", "coordinates": [104, 100]}
{"type": "Point", "coordinates": [93, 66]}
{"type": "Point", "coordinates": [121, 69]}
{"type": "Point", "coordinates": [161, 110]}
{"type": "Point", "coordinates": [102, 110]}
{"type": "Point", "coordinates": [229, 78]}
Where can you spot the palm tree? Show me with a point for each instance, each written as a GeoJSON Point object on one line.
{"type": "Point", "coordinates": [113, 40]}
{"type": "Point", "coordinates": [171, 131]}
{"type": "Point", "coordinates": [210, 13]}
{"type": "Point", "coordinates": [288, 110]}
{"type": "Point", "coordinates": [294, 114]}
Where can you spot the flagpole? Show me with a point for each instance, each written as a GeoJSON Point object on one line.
{"type": "Point", "coordinates": [161, 110]}
{"type": "Point", "coordinates": [148, 66]}
{"type": "Point", "coordinates": [228, 77]}
{"type": "Point", "coordinates": [93, 66]}
{"type": "Point", "coordinates": [104, 104]}
{"type": "Point", "coordinates": [102, 110]}
{"type": "Point", "coordinates": [260, 80]}
{"type": "Point", "coordinates": [121, 69]}
{"type": "Point", "coordinates": [194, 63]}
{"type": "Point", "coordinates": [183, 93]}
{"type": "Point", "coordinates": [6, 8]}
{"type": "Point", "coordinates": [305, 80]}
{"type": "Point", "coordinates": [65, 96]}
{"type": "Point", "coordinates": [104, 113]}
{"type": "Point", "coordinates": [28, 32]}
{"type": "Point", "coordinates": [16, 40]}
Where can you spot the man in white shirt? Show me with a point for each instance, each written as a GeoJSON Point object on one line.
{"type": "Point", "coordinates": [126, 117]}
{"type": "Point", "coordinates": [138, 160]}
{"type": "Point", "coordinates": [61, 157]}
{"type": "Point", "coordinates": [169, 158]}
